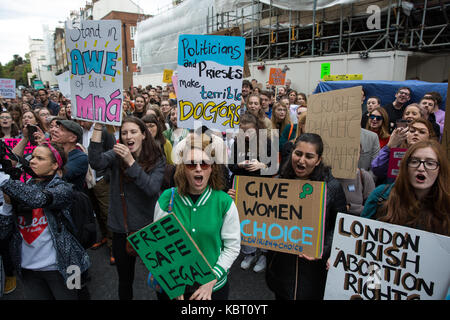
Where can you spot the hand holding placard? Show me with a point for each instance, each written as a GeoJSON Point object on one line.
{"type": "Point", "coordinates": [171, 255]}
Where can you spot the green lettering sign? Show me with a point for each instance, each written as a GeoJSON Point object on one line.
{"type": "Point", "coordinates": [171, 255]}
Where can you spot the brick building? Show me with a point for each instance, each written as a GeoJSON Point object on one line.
{"type": "Point", "coordinates": [60, 50]}
{"type": "Point", "coordinates": [129, 54]}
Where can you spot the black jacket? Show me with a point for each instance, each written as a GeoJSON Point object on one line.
{"type": "Point", "coordinates": [294, 278]}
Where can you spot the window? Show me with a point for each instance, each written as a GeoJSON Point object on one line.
{"type": "Point", "coordinates": [132, 32]}
{"type": "Point", "coordinates": [134, 57]}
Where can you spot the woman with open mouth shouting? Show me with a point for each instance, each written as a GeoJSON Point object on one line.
{"type": "Point", "coordinates": [420, 196]}
{"type": "Point", "coordinates": [207, 213]}
{"type": "Point", "coordinates": [293, 277]}
{"type": "Point", "coordinates": [137, 167]}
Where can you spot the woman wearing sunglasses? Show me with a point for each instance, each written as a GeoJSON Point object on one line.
{"type": "Point", "coordinates": [420, 197]}
{"type": "Point", "coordinates": [208, 214]}
{"type": "Point", "coordinates": [378, 123]}
{"type": "Point", "coordinates": [42, 248]}
{"type": "Point", "coordinates": [137, 167]}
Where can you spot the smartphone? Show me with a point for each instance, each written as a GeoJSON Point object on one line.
{"type": "Point", "coordinates": [401, 123]}
{"type": "Point", "coordinates": [31, 130]}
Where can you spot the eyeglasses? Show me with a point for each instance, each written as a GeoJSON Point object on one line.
{"type": "Point", "coordinates": [5, 117]}
{"type": "Point", "coordinates": [193, 166]}
{"type": "Point", "coordinates": [374, 117]}
{"type": "Point", "coordinates": [427, 164]}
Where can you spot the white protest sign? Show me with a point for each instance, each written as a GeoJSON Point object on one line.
{"type": "Point", "coordinates": [293, 113]}
{"type": "Point", "coordinates": [64, 83]}
{"type": "Point", "coordinates": [94, 50]}
{"type": "Point", "coordinates": [8, 88]}
{"type": "Point", "coordinates": [375, 260]}
{"type": "Point", "coordinates": [210, 73]}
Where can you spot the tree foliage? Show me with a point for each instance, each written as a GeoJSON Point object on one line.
{"type": "Point", "coordinates": [17, 69]}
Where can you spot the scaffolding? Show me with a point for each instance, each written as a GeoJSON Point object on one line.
{"type": "Point", "coordinates": [272, 33]}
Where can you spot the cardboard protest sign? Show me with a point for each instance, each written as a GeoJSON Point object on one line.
{"type": "Point", "coordinates": [64, 83]}
{"type": "Point", "coordinates": [277, 77]}
{"type": "Point", "coordinates": [171, 255]}
{"type": "Point", "coordinates": [94, 52]}
{"type": "Point", "coordinates": [210, 72]}
{"type": "Point", "coordinates": [373, 260]}
{"type": "Point", "coordinates": [281, 214]}
{"type": "Point", "coordinates": [336, 117]}
{"type": "Point", "coordinates": [395, 157]}
{"type": "Point", "coordinates": [8, 88]}
{"type": "Point", "coordinates": [167, 76]}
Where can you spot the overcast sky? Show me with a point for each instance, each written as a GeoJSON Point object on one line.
{"type": "Point", "coordinates": [21, 19]}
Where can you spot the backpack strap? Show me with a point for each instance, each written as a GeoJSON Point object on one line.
{"type": "Point", "coordinates": [383, 196]}
{"type": "Point", "coordinates": [290, 131]}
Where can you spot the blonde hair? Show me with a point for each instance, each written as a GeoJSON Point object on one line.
{"type": "Point", "coordinates": [301, 122]}
{"type": "Point", "coordinates": [216, 179]}
{"type": "Point", "coordinates": [277, 124]}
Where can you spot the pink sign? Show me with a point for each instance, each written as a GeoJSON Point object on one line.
{"type": "Point", "coordinates": [13, 142]}
{"type": "Point", "coordinates": [28, 150]}
{"type": "Point", "coordinates": [394, 161]}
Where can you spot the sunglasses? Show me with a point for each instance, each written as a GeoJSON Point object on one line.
{"type": "Point", "coordinates": [193, 166]}
{"type": "Point", "coordinates": [374, 117]}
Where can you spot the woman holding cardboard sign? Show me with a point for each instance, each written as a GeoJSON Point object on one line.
{"type": "Point", "coordinates": [208, 214]}
{"type": "Point", "coordinates": [137, 168]}
{"type": "Point", "coordinates": [301, 277]}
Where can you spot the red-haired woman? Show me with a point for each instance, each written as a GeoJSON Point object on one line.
{"type": "Point", "coordinates": [420, 196]}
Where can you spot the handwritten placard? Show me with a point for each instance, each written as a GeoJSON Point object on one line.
{"type": "Point", "coordinates": [64, 83]}
{"type": "Point", "coordinates": [8, 88]}
{"type": "Point", "coordinates": [167, 76]}
{"type": "Point", "coordinates": [325, 69]}
{"type": "Point", "coordinates": [94, 52]}
{"type": "Point", "coordinates": [336, 117]}
{"type": "Point", "coordinates": [277, 77]}
{"type": "Point", "coordinates": [13, 142]}
{"type": "Point", "coordinates": [210, 72]}
{"type": "Point", "coordinates": [372, 260]}
{"type": "Point", "coordinates": [171, 255]}
{"type": "Point", "coordinates": [282, 215]}
{"type": "Point", "coordinates": [395, 157]}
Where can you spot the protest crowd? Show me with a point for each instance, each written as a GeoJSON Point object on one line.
{"type": "Point", "coordinates": [133, 175]}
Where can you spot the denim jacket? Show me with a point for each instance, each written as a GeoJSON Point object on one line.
{"type": "Point", "coordinates": [54, 197]}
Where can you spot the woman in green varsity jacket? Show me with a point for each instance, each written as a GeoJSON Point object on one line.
{"type": "Point", "coordinates": [208, 214]}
